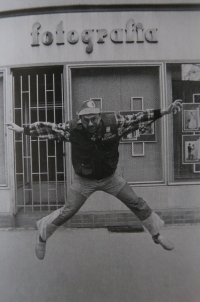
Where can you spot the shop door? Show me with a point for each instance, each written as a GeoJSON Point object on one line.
{"type": "Point", "coordinates": [39, 163]}
{"type": "Point", "coordinates": [124, 89]}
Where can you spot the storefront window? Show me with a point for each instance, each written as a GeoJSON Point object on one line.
{"type": "Point", "coordinates": [2, 132]}
{"type": "Point", "coordinates": [184, 83]}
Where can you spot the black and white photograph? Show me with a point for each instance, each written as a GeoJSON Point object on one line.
{"type": "Point", "coordinates": [147, 129]}
{"type": "Point", "coordinates": [191, 120]}
{"type": "Point", "coordinates": [192, 151]}
{"type": "Point", "coordinates": [144, 132]}
{"type": "Point", "coordinates": [191, 117]}
{"type": "Point", "coordinates": [99, 151]}
{"type": "Point", "coordinates": [130, 136]}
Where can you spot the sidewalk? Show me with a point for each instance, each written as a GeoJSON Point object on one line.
{"type": "Point", "coordinates": [94, 265]}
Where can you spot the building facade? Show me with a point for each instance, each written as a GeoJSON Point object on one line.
{"type": "Point", "coordinates": [127, 57]}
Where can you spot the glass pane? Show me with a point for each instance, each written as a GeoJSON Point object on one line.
{"type": "Point", "coordinates": [185, 82]}
{"type": "Point", "coordinates": [2, 135]}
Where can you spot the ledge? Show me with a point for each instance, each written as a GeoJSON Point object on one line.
{"type": "Point", "coordinates": [11, 5]}
{"type": "Point", "coordinates": [15, 9]}
{"type": "Point", "coordinates": [106, 219]}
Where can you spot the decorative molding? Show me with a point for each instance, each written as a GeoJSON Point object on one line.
{"type": "Point", "coordinates": [98, 102]}
{"type": "Point", "coordinates": [135, 154]}
{"type": "Point", "coordinates": [135, 99]}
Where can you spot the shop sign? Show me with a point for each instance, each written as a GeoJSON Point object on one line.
{"type": "Point", "coordinates": [133, 32]}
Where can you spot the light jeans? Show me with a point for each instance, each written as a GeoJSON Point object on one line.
{"type": "Point", "coordinates": [82, 188]}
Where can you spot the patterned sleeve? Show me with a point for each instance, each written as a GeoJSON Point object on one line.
{"type": "Point", "coordinates": [129, 123]}
{"type": "Point", "coordinates": [49, 131]}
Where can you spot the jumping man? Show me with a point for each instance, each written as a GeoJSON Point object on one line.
{"type": "Point", "coordinates": [95, 138]}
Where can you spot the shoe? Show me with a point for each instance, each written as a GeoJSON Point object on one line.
{"type": "Point", "coordinates": [164, 242]}
{"type": "Point", "coordinates": [40, 248]}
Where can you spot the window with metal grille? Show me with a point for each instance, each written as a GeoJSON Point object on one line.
{"type": "Point", "coordinates": [39, 163]}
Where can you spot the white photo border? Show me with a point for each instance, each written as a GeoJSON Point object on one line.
{"type": "Point", "coordinates": [184, 121]}
{"type": "Point", "coordinates": [189, 139]}
{"type": "Point", "coordinates": [190, 107]}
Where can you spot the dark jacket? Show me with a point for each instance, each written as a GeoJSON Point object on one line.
{"type": "Point", "coordinates": [95, 159]}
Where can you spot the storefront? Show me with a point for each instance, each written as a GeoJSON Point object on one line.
{"type": "Point", "coordinates": [126, 58]}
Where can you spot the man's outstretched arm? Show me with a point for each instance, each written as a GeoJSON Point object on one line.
{"type": "Point", "coordinates": [46, 130]}
{"type": "Point", "coordinates": [128, 123]}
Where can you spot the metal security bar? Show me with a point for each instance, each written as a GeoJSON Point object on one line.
{"type": "Point", "coordinates": [40, 175]}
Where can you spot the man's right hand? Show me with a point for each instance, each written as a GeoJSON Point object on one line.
{"type": "Point", "coordinates": [15, 128]}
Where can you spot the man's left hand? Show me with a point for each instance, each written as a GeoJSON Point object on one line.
{"type": "Point", "coordinates": [174, 107]}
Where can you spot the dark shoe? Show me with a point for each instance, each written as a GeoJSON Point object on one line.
{"type": "Point", "coordinates": [40, 248]}
{"type": "Point", "coordinates": [164, 242]}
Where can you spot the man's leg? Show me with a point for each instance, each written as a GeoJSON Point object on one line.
{"type": "Point", "coordinates": [48, 224]}
{"type": "Point", "coordinates": [147, 216]}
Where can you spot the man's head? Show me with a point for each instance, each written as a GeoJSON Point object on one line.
{"type": "Point", "coordinates": [90, 116]}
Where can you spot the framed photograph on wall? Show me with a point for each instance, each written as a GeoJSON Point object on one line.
{"type": "Point", "coordinates": [191, 149]}
{"type": "Point", "coordinates": [145, 133]}
{"type": "Point", "coordinates": [191, 120]}
{"type": "Point", "coordinates": [191, 117]}
{"type": "Point", "coordinates": [130, 136]}
{"type": "Point", "coordinates": [146, 129]}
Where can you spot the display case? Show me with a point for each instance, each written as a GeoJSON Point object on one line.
{"type": "Point", "coordinates": [184, 81]}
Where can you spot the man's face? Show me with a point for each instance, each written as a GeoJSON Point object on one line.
{"type": "Point", "coordinates": [91, 122]}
